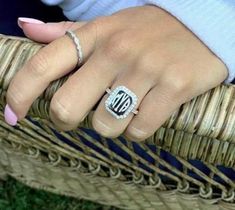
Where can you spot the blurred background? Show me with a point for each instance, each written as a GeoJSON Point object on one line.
{"type": "Point", "coordinates": [10, 10]}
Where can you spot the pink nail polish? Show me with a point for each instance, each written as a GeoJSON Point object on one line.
{"type": "Point", "coordinates": [22, 20]}
{"type": "Point", "coordinates": [10, 116]}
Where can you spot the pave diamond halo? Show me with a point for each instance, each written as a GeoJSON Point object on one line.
{"type": "Point", "coordinates": [121, 102]}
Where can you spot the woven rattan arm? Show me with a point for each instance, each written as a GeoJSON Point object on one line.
{"type": "Point", "coordinates": [201, 129]}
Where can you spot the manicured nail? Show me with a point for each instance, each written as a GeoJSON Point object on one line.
{"type": "Point", "coordinates": [22, 20]}
{"type": "Point", "coordinates": [10, 116]}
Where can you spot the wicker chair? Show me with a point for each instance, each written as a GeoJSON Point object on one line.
{"type": "Point", "coordinates": [83, 164]}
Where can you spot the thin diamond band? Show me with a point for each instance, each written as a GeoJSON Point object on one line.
{"type": "Point", "coordinates": [76, 41]}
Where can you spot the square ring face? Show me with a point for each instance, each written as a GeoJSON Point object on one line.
{"type": "Point", "coordinates": [121, 102]}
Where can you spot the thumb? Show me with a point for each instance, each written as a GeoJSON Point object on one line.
{"type": "Point", "coordinates": [46, 32]}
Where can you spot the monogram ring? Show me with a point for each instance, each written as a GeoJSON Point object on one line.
{"type": "Point", "coordinates": [121, 102]}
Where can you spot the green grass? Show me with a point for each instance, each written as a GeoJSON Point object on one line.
{"type": "Point", "coordinates": [16, 196]}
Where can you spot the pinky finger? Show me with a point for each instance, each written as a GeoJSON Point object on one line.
{"type": "Point", "coordinates": [156, 107]}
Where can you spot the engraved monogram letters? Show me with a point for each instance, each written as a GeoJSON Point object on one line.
{"type": "Point", "coordinates": [121, 102]}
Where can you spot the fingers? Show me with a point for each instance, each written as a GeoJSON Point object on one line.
{"type": "Point", "coordinates": [177, 86]}
{"type": "Point", "coordinates": [103, 121]}
{"type": "Point", "coordinates": [158, 105]}
{"type": "Point", "coordinates": [170, 92]}
{"type": "Point", "coordinates": [80, 93]}
{"type": "Point", "coordinates": [50, 63]}
{"type": "Point", "coordinates": [46, 32]}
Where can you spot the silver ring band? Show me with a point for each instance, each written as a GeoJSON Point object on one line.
{"type": "Point", "coordinates": [121, 102]}
{"type": "Point", "coordinates": [76, 41]}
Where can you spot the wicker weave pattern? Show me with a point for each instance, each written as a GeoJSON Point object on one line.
{"type": "Point", "coordinates": [78, 183]}
{"type": "Point", "coordinates": [201, 129]}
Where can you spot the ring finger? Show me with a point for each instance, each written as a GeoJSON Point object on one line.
{"type": "Point", "coordinates": [103, 121]}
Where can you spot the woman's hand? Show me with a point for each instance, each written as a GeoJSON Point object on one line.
{"type": "Point", "coordinates": [143, 48]}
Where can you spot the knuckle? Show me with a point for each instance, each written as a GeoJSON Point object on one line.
{"type": "Point", "coordinates": [102, 128]}
{"type": "Point", "coordinates": [99, 21]}
{"type": "Point", "coordinates": [177, 79]}
{"type": "Point", "coordinates": [61, 113]}
{"type": "Point", "coordinates": [38, 65]}
{"type": "Point", "coordinates": [67, 24]}
{"type": "Point", "coordinates": [139, 131]}
{"type": "Point", "coordinates": [104, 133]}
{"type": "Point", "coordinates": [97, 26]}
{"type": "Point", "coordinates": [136, 136]}
{"type": "Point", "coordinates": [117, 47]}
{"type": "Point", "coordinates": [144, 62]}
{"type": "Point", "coordinates": [147, 64]}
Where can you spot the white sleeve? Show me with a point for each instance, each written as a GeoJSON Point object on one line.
{"type": "Point", "coordinates": [212, 21]}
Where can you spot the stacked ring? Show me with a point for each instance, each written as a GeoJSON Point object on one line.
{"type": "Point", "coordinates": [76, 41]}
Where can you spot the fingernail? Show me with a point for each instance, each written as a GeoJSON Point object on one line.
{"type": "Point", "coordinates": [10, 116]}
{"type": "Point", "coordinates": [22, 20]}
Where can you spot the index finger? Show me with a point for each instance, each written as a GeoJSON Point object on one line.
{"type": "Point", "coordinates": [48, 64]}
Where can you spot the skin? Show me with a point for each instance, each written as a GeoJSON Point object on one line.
{"type": "Point", "coordinates": [143, 48]}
